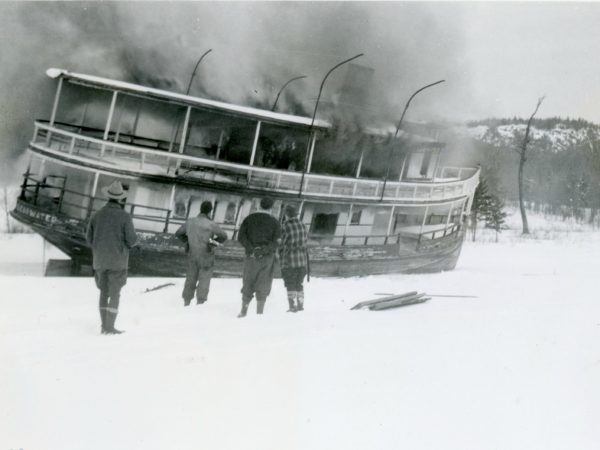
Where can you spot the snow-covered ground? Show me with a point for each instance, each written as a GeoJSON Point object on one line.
{"type": "Point", "coordinates": [517, 367]}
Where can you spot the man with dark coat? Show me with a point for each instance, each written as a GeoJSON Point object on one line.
{"type": "Point", "coordinates": [111, 234]}
{"type": "Point", "coordinates": [259, 234]}
{"type": "Point", "coordinates": [202, 235]}
{"type": "Point", "coordinates": [293, 257]}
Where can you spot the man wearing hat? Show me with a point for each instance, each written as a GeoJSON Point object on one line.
{"type": "Point", "coordinates": [202, 235]}
{"type": "Point", "coordinates": [259, 234]}
{"type": "Point", "coordinates": [111, 234]}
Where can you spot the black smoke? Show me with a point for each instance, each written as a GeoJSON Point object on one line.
{"type": "Point", "coordinates": [256, 48]}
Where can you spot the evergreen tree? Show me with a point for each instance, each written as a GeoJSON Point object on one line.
{"type": "Point", "coordinates": [480, 206]}
{"type": "Point", "coordinates": [495, 215]}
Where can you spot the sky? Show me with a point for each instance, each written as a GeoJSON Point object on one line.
{"type": "Point", "coordinates": [496, 58]}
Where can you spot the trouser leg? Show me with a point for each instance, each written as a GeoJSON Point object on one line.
{"type": "Point", "coordinates": [204, 277]}
{"type": "Point", "coordinates": [191, 280]}
{"type": "Point", "coordinates": [248, 280]}
{"type": "Point", "coordinates": [101, 279]}
{"type": "Point", "coordinates": [301, 273]}
{"type": "Point", "coordinates": [116, 280]}
{"type": "Point", "coordinates": [112, 310]}
{"type": "Point", "coordinates": [293, 277]}
{"type": "Point", "coordinates": [264, 277]}
{"type": "Point", "coordinates": [103, 305]}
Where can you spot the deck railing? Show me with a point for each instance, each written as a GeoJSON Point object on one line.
{"type": "Point", "coordinates": [58, 200]}
{"type": "Point", "coordinates": [110, 155]}
{"type": "Point", "coordinates": [71, 204]}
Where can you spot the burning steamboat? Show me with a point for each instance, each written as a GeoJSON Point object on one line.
{"type": "Point", "coordinates": [371, 212]}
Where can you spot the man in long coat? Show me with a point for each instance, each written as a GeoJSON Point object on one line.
{"type": "Point", "coordinates": [293, 257]}
{"type": "Point", "coordinates": [202, 235]}
{"type": "Point", "coordinates": [259, 234]}
{"type": "Point", "coordinates": [110, 235]}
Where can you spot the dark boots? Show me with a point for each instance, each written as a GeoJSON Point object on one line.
{"type": "Point", "coordinates": [109, 324]}
{"type": "Point", "coordinates": [300, 301]}
{"type": "Point", "coordinates": [103, 319]}
{"type": "Point", "coordinates": [291, 295]}
{"type": "Point", "coordinates": [244, 310]}
{"type": "Point", "coordinates": [260, 306]}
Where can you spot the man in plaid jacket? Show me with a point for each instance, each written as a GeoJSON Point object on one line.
{"type": "Point", "coordinates": [293, 257]}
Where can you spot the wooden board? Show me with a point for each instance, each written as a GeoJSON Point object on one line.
{"type": "Point", "coordinates": [384, 299]}
{"type": "Point", "coordinates": [398, 303]}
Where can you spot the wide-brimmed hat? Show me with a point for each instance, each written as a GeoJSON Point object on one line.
{"type": "Point", "coordinates": [114, 190]}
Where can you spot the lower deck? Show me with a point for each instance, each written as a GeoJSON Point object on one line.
{"type": "Point", "coordinates": [76, 192]}
{"type": "Point", "coordinates": [162, 254]}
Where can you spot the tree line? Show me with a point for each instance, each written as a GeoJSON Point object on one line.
{"type": "Point", "coordinates": [565, 180]}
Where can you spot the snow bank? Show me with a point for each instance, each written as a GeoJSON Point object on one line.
{"type": "Point", "coordinates": [515, 368]}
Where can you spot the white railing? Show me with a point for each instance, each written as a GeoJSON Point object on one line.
{"type": "Point", "coordinates": [455, 181]}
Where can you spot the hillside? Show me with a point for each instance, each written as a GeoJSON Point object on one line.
{"type": "Point", "coordinates": [546, 134]}
{"type": "Point", "coordinates": [563, 159]}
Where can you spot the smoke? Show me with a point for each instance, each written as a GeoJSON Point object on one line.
{"type": "Point", "coordinates": [256, 47]}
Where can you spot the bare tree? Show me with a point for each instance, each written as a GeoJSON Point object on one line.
{"type": "Point", "coordinates": [6, 210]}
{"type": "Point", "coordinates": [522, 158]}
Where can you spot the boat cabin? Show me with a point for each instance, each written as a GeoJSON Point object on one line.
{"type": "Point", "coordinates": [172, 151]}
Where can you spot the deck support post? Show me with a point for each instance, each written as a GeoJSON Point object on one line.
{"type": "Point", "coordinates": [171, 207]}
{"type": "Point", "coordinates": [184, 131]}
{"type": "Point", "coordinates": [220, 144]}
{"type": "Point", "coordinates": [254, 147]}
{"type": "Point", "coordinates": [119, 122]}
{"type": "Point", "coordinates": [255, 144]}
{"type": "Point", "coordinates": [423, 223]}
{"type": "Point", "coordinates": [389, 227]}
{"type": "Point", "coordinates": [301, 211]}
{"type": "Point", "coordinates": [238, 215]}
{"type": "Point", "coordinates": [360, 162]}
{"type": "Point", "coordinates": [436, 165]}
{"type": "Point", "coordinates": [348, 219]}
{"type": "Point", "coordinates": [308, 160]}
{"type": "Point", "coordinates": [136, 120]}
{"type": "Point", "coordinates": [108, 121]}
{"type": "Point", "coordinates": [358, 168]}
{"type": "Point", "coordinates": [166, 229]}
{"type": "Point", "coordinates": [54, 108]}
{"type": "Point", "coordinates": [95, 184]}
{"type": "Point", "coordinates": [449, 216]}
{"type": "Point", "coordinates": [311, 152]}
{"type": "Point", "coordinates": [402, 168]}
{"type": "Point", "coordinates": [92, 195]}
{"type": "Point", "coordinates": [83, 116]}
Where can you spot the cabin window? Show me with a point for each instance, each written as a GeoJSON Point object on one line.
{"type": "Point", "coordinates": [436, 219]}
{"type": "Point", "coordinates": [230, 213]}
{"type": "Point", "coordinates": [355, 219]}
{"type": "Point", "coordinates": [324, 224]}
{"type": "Point", "coordinates": [404, 219]}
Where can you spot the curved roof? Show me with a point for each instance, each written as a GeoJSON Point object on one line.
{"type": "Point", "coordinates": [260, 114]}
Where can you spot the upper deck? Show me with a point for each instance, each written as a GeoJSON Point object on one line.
{"type": "Point", "coordinates": [174, 97]}
{"type": "Point", "coordinates": [131, 130]}
{"type": "Point", "coordinates": [145, 158]}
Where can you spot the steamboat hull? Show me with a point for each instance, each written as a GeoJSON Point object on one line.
{"type": "Point", "coordinates": [162, 254]}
